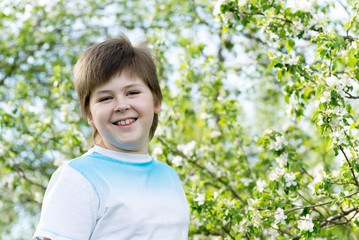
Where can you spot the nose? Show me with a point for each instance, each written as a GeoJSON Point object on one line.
{"type": "Point", "coordinates": [121, 106]}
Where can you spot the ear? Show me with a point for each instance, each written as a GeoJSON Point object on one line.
{"type": "Point", "coordinates": [90, 121]}
{"type": "Point", "coordinates": [158, 107]}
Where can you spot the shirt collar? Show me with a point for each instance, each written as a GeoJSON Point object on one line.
{"type": "Point", "coordinates": [126, 157]}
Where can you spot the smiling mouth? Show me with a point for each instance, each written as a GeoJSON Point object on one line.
{"type": "Point", "coordinates": [124, 122]}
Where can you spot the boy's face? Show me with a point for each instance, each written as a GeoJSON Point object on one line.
{"type": "Point", "coordinates": [122, 112]}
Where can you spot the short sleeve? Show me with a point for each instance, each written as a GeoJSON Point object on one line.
{"type": "Point", "coordinates": [70, 206]}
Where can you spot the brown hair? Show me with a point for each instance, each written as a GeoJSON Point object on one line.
{"type": "Point", "coordinates": [101, 61]}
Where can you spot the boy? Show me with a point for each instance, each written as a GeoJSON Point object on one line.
{"type": "Point", "coordinates": [116, 190]}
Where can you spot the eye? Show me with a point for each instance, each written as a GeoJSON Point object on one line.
{"type": "Point", "coordinates": [133, 92]}
{"type": "Point", "coordinates": [104, 99]}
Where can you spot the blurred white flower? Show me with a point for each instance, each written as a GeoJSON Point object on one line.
{"type": "Point", "coordinates": [204, 116]}
{"type": "Point", "coordinates": [318, 19]}
{"type": "Point", "coordinates": [60, 161]}
{"type": "Point", "coordinates": [319, 174]}
{"type": "Point", "coordinates": [226, 17]}
{"type": "Point", "coordinates": [177, 161]}
{"type": "Point", "coordinates": [268, 132]}
{"type": "Point", "coordinates": [338, 137]}
{"type": "Point", "coordinates": [325, 97]}
{"type": "Point", "coordinates": [243, 226]}
{"type": "Point", "coordinates": [246, 181]}
{"type": "Point", "coordinates": [241, 3]}
{"type": "Point", "coordinates": [282, 159]}
{"type": "Point", "coordinates": [261, 184]}
{"type": "Point", "coordinates": [217, 7]}
{"type": "Point", "coordinates": [157, 151]}
{"type": "Point", "coordinates": [300, 5]}
{"type": "Point", "coordinates": [290, 179]}
{"type": "Point", "coordinates": [188, 148]}
{"type": "Point", "coordinates": [293, 60]}
{"type": "Point", "coordinates": [47, 120]}
{"type": "Point", "coordinates": [297, 26]}
{"type": "Point", "coordinates": [320, 122]}
{"type": "Point", "coordinates": [279, 216]}
{"type": "Point", "coordinates": [215, 134]}
{"type": "Point", "coordinates": [38, 197]}
{"type": "Point", "coordinates": [278, 143]}
{"type": "Point", "coordinates": [306, 223]}
{"type": "Point", "coordinates": [276, 174]}
{"type": "Point", "coordinates": [200, 198]}
{"type": "Point", "coordinates": [210, 167]}
{"type": "Point", "coordinates": [332, 81]}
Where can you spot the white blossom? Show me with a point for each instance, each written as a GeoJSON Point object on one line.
{"type": "Point", "coordinates": [217, 7]}
{"type": "Point", "coordinates": [318, 19]}
{"type": "Point", "coordinates": [279, 216]}
{"type": "Point", "coordinates": [261, 184]}
{"type": "Point", "coordinates": [241, 3]}
{"type": "Point", "coordinates": [338, 110]}
{"type": "Point", "coordinates": [293, 60]}
{"type": "Point", "coordinates": [306, 223]}
{"type": "Point", "coordinates": [47, 120]}
{"type": "Point", "coordinates": [243, 226]}
{"type": "Point", "coordinates": [297, 26]}
{"type": "Point", "coordinates": [60, 161]}
{"type": "Point", "coordinates": [226, 17]}
{"type": "Point", "coordinates": [188, 148]}
{"type": "Point", "coordinates": [278, 143]}
{"type": "Point", "coordinates": [325, 97]}
{"type": "Point", "coordinates": [157, 151]}
{"type": "Point", "coordinates": [320, 122]}
{"type": "Point", "coordinates": [282, 159]}
{"type": "Point", "coordinates": [319, 174]}
{"type": "Point", "coordinates": [215, 134]}
{"type": "Point", "coordinates": [290, 179]}
{"type": "Point", "coordinates": [273, 234]}
{"type": "Point", "coordinates": [204, 116]}
{"type": "Point", "coordinates": [268, 132]}
{"type": "Point", "coordinates": [215, 195]}
{"type": "Point", "coordinates": [246, 181]}
{"type": "Point", "coordinates": [289, 109]}
{"type": "Point", "coordinates": [256, 218]}
{"type": "Point", "coordinates": [338, 137]}
{"type": "Point", "coordinates": [177, 161]}
{"type": "Point", "coordinates": [210, 167]}
{"type": "Point", "coordinates": [332, 81]}
{"type": "Point", "coordinates": [276, 174]}
{"type": "Point", "coordinates": [200, 198]}
{"type": "Point", "coordinates": [300, 5]}
{"type": "Point", "coordinates": [252, 204]}
{"type": "Point", "coordinates": [38, 197]}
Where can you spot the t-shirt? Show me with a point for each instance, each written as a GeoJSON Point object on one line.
{"type": "Point", "coordinates": [106, 194]}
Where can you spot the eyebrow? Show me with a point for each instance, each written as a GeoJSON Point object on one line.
{"type": "Point", "coordinates": [110, 91]}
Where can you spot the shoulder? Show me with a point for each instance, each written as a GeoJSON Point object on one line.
{"type": "Point", "coordinates": [164, 168]}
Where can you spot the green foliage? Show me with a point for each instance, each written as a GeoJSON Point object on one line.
{"type": "Point", "coordinates": [259, 115]}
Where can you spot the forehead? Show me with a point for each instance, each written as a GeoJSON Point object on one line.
{"type": "Point", "coordinates": [120, 81]}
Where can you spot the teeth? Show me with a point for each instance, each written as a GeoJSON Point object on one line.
{"type": "Point", "coordinates": [122, 123]}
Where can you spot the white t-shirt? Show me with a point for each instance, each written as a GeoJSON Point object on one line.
{"type": "Point", "coordinates": [106, 195]}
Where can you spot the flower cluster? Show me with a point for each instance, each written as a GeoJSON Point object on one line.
{"type": "Point", "coordinates": [278, 144]}
{"type": "Point", "coordinates": [279, 216]}
{"type": "Point", "coordinates": [306, 223]}
{"type": "Point", "coordinates": [296, 5]}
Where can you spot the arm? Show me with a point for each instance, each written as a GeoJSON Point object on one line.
{"type": "Point", "coordinates": [69, 207]}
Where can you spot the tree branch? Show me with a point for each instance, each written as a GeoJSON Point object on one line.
{"type": "Point", "coordinates": [22, 174]}
{"type": "Point", "coordinates": [350, 166]}
{"type": "Point", "coordinates": [175, 150]}
{"type": "Point", "coordinates": [319, 204]}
